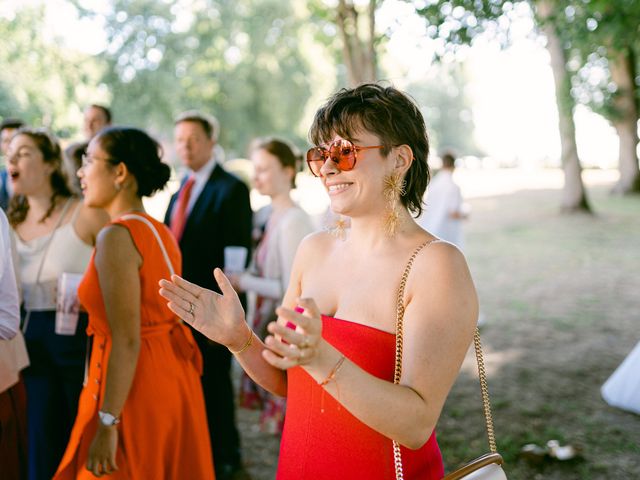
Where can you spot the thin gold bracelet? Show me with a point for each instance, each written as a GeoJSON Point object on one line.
{"type": "Point", "coordinates": [333, 372]}
{"type": "Point", "coordinates": [246, 345]}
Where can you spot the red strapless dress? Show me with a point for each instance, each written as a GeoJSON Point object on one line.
{"type": "Point", "coordinates": [334, 444]}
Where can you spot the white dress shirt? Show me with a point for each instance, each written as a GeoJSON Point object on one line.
{"type": "Point", "coordinates": [443, 198]}
{"type": "Point", "coordinates": [200, 179]}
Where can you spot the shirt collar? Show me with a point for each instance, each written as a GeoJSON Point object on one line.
{"type": "Point", "coordinates": [205, 172]}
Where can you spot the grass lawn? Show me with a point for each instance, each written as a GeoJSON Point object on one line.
{"type": "Point", "coordinates": [560, 295]}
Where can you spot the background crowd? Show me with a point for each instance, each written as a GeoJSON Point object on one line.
{"type": "Point", "coordinates": [582, 310]}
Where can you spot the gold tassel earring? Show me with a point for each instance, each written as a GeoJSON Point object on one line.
{"type": "Point", "coordinates": [337, 226]}
{"type": "Point", "coordinates": [394, 186]}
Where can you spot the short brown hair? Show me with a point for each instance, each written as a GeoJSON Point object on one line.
{"type": "Point", "coordinates": [209, 123]}
{"type": "Point", "coordinates": [390, 115]}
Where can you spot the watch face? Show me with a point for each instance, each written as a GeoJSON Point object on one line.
{"type": "Point", "coordinates": [107, 419]}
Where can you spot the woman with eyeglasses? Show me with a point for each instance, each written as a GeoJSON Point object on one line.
{"type": "Point", "coordinates": [141, 412]}
{"type": "Point", "coordinates": [332, 350]}
{"type": "Point", "coordinates": [54, 233]}
{"type": "Point", "coordinates": [279, 229]}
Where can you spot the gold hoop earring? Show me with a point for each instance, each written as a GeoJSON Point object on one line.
{"type": "Point", "coordinates": [394, 188]}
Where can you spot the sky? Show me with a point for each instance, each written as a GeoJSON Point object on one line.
{"type": "Point", "coordinates": [511, 91]}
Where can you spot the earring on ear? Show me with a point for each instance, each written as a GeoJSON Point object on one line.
{"type": "Point", "coordinates": [394, 186]}
{"type": "Point", "coordinates": [117, 186]}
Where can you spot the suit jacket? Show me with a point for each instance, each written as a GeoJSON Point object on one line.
{"type": "Point", "coordinates": [220, 217]}
{"type": "Point", "coordinates": [4, 190]}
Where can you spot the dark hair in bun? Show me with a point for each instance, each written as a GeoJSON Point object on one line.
{"type": "Point", "coordinates": [140, 153]}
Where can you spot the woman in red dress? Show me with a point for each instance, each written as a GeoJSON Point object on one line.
{"type": "Point", "coordinates": [141, 411]}
{"type": "Point", "coordinates": [344, 408]}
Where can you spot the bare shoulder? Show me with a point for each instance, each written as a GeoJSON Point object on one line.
{"type": "Point", "coordinates": [316, 243]}
{"type": "Point", "coordinates": [438, 259]}
{"type": "Point", "coordinates": [441, 277]}
{"type": "Point", "coordinates": [115, 238]}
{"type": "Point", "coordinates": [313, 248]}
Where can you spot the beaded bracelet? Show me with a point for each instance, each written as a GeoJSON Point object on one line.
{"type": "Point", "coordinates": [247, 343]}
{"type": "Point", "coordinates": [333, 372]}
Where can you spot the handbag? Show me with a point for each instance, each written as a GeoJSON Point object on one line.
{"type": "Point", "coordinates": [485, 467]}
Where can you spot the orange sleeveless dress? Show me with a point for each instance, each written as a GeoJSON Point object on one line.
{"type": "Point", "coordinates": [322, 440]}
{"type": "Point", "coordinates": [163, 432]}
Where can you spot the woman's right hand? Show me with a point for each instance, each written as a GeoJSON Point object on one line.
{"type": "Point", "coordinates": [219, 317]}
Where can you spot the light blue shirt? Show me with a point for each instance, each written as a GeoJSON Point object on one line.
{"type": "Point", "coordinates": [9, 300]}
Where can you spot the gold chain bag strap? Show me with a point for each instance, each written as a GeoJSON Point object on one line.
{"type": "Point", "coordinates": [486, 467]}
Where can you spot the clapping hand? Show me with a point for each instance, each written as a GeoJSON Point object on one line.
{"type": "Point", "coordinates": [289, 347]}
{"type": "Point", "coordinates": [219, 317]}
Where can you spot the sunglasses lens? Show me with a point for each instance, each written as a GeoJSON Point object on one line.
{"type": "Point", "coordinates": [343, 153]}
{"type": "Point", "coordinates": [315, 159]}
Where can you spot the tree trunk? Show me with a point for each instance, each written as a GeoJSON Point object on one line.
{"type": "Point", "coordinates": [625, 120]}
{"type": "Point", "coordinates": [358, 54]}
{"type": "Point", "coordinates": [574, 198]}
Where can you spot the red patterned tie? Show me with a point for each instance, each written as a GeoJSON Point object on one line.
{"type": "Point", "coordinates": [179, 217]}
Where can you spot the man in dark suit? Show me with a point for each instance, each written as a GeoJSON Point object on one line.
{"type": "Point", "coordinates": [210, 212]}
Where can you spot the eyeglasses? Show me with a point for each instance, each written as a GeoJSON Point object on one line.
{"type": "Point", "coordinates": [87, 160]}
{"type": "Point", "coordinates": [342, 152]}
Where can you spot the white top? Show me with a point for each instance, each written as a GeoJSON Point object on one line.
{"type": "Point", "coordinates": [200, 177]}
{"type": "Point", "coordinates": [9, 300]}
{"type": "Point", "coordinates": [443, 198]}
{"type": "Point", "coordinates": [67, 253]}
{"type": "Point", "coordinates": [282, 244]}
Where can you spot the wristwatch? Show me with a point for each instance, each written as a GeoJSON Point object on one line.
{"type": "Point", "coordinates": [107, 419]}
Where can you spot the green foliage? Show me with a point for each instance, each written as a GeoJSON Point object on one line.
{"type": "Point", "coordinates": [591, 30]}
{"type": "Point", "coordinates": [238, 60]}
{"type": "Point", "coordinates": [446, 110]}
{"type": "Point", "coordinates": [39, 78]}
{"type": "Point", "coordinates": [594, 31]}
{"type": "Point", "coordinates": [457, 23]}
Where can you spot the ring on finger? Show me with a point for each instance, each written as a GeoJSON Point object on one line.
{"type": "Point", "coordinates": [191, 307]}
{"type": "Point", "coordinates": [305, 343]}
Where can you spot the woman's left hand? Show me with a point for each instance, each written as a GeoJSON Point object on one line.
{"type": "Point", "coordinates": [102, 452]}
{"type": "Point", "coordinates": [296, 337]}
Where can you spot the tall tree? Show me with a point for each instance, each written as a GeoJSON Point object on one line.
{"type": "Point", "coordinates": [348, 31]}
{"type": "Point", "coordinates": [573, 194]}
{"type": "Point", "coordinates": [459, 22]}
{"type": "Point", "coordinates": [239, 60]}
{"type": "Point", "coordinates": [605, 38]}
{"type": "Point", "coordinates": [625, 118]}
{"type": "Point", "coordinates": [358, 49]}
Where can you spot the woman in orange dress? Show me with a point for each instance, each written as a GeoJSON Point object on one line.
{"type": "Point", "coordinates": [141, 412]}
